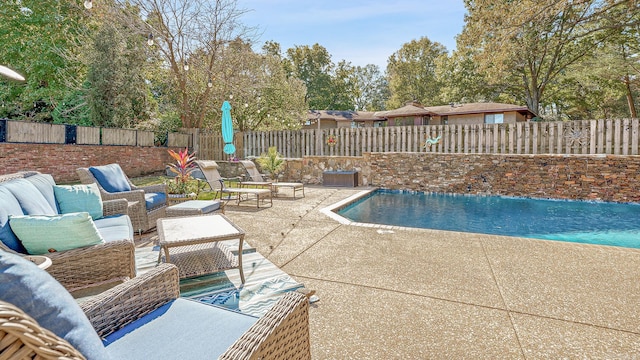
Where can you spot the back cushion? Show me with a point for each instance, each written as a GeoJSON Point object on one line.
{"type": "Point", "coordinates": [45, 184]}
{"type": "Point", "coordinates": [30, 198]}
{"type": "Point", "coordinates": [9, 205]}
{"type": "Point", "coordinates": [39, 295]}
{"type": "Point", "coordinates": [111, 178]}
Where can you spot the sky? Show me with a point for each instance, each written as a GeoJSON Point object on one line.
{"type": "Point", "coordinates": [359, 31]}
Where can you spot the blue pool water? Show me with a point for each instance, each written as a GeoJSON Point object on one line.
{"type": "Point", "coordinates": [576, 221]}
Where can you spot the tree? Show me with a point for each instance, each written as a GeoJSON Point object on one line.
{"type": "Point", "coordinates": [525, 45]}
{"type": "Point", "coordinates": [460, 80]}
{"type": "Point", "coordinates": [117, 94]}
{"type": "Point", "coordinates": [372, 89]}
{"type": "Point", "coordinates": [412, 73]}
{"type": "Point", "coordinates": [314, 67]}
{"type": "Point", "coordinates": [44, 41]}
{"type": "Point", "coordinates": [191, 36]}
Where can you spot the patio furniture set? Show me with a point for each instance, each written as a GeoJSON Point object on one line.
{"type": "Point", "coordinates": [191, 236]}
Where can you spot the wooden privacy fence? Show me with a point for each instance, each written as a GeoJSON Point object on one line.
{"type": "Point", "coordinates": [618, 137]}
{"type": "Point", "coordinates": [32, 132]}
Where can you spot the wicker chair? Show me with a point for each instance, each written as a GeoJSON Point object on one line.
{"type": "Point", "coordinates": [282, 333]}
{"type": "Point", "coordinates": [94, 265]}
{"type": "Point", "coordinates": [143, 219]}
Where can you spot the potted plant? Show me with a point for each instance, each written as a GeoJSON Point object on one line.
{"type": "Point", "coordinates": [183, 187]}
{"type": "Point", "coordinates": [271, 162]}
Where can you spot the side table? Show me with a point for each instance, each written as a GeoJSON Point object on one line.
{"type": "Point", "coordinates": [193, 244]}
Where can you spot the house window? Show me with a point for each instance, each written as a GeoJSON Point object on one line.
{"type": "Point", "coordinates": [445, 120]}
{"type": "Point", "coordinates": [377, 124]}
{"type": "Point", "coordinates": [493, 118]}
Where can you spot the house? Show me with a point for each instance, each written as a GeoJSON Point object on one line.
{"type": "Point", "coordinates": [478, 113]}
{"type": "Point", "coordinates": [328, 119]}
{"type": "Point", "coordinates": [413, 113]}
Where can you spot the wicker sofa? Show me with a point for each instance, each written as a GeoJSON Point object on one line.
{"type": "Point", "coordinates": [140, 319]}
{"type": "Point", "coordinates": [143, 213]}
{"type": "Point", "coordinates": [79, 268]}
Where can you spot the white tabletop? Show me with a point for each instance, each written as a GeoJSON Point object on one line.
{"type": "Point", "coordinates": [196, 227]}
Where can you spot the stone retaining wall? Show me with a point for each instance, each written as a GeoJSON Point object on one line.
{"type": "Point", "coordinates": [593, 177]}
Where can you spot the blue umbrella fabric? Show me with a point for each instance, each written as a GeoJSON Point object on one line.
{"type": "Point", "coordinates": [227, 129]}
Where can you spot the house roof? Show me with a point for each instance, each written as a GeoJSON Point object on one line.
{"type": "Point", "coordinates": [407, 110]}
{"type": "Point", "coordinates": [475, 108]}
{"type": "Point", "coordinates": [341, 115]}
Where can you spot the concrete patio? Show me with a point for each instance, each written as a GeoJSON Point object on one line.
{"type": "Point", "coordinates": [421, 294]}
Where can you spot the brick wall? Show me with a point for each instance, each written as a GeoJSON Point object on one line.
{"type": "Point", "coordinates": [61, 161]}
{"type": "Point", "coordinates": [595, 177]}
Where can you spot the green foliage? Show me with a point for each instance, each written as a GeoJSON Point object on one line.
{"type": "Point", "coordinates": [271, 162]}
{"type": "Point", "coordinates": [314, 67]}
{"type": "Point", "coordinates": [412, 73]}
{"type": "Point", "coordinates": [72, 110]}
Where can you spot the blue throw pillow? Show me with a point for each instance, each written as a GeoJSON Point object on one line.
{"type": "Point", "coordinates": [41, 234]}
{"type": "Point", "coordinates": [9, 205]}
{"type": "Point", "coordinates": [111, 178]}
{"type": "Point", "coordinates": [78, 198]}
{"type": "Point", "coordinates": [39, 295]}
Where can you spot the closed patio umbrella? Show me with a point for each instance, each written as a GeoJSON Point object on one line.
{"type": "Point", "coordinates": [227, 129]}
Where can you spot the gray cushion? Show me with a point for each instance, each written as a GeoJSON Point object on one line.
{"type": "Point", "coordinates": [182, 329]}
{"type": "Point", "coordinates": [45, 183]}
{"type": "Point", "coordinates": [116, 227]}
{"type": "Point", "coordinates": [30, 198]}
{"type": "Point", "coordinates": [111, 178]}
{"type": "Point", "coordinates": [39, 295]}
{"type": "Point", "coordinates": [9, 205]}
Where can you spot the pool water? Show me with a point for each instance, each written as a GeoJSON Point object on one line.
{"type": "Point", "coordinates": [575, 221]}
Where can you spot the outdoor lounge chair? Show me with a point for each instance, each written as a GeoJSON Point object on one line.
{"type": "Point", "coordinates": [142, 318]}
{"type": "Point", "coordinates": [147, 204]}
{"type": "Point", "coordinates": [258, 180]}
{"type": "Point", "coordinates": [210, 172]}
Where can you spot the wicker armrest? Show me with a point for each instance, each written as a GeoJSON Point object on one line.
{"type": "Point", "coordinates": [114, 207]}
{"type": "Point", "coordinates": [133, 195]}
{"type": "Point", "coordinates": [282, 333]}
{"type": "Point", "coordinates": [122, 304]}
{"type": "Point", "coordinates": [21, 337]}
{"type": "Point", "coordinates": [153, 188]}
{"type": "Point", "coordinates": [93, 265]}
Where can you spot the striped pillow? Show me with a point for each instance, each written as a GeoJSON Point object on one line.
{"type": "Point", "coordinates": [41, 234]}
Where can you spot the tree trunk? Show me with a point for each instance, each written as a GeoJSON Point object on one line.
{"type": "Point", "coordinates": [632, 106]}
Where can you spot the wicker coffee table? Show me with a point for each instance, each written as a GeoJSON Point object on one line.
{"type": "Point", "coordinates": [193, 244]}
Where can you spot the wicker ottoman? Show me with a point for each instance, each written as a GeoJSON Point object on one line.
{"type": "Point", "coordinates": [195, 207]}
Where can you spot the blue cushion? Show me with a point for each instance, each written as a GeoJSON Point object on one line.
{"type": "Point", "coordinates": [39, 295]}
{"type": "Point", "coordinates": [45, 183]}
{"type": "Point", "coordinates": [9, 205]}
{"type": "Point", "coordinates": [111, 178]}
{"type": "Point", "coordinates": [77, 198]}
{"type": "Point", "coordinates": [154, 200]}
{"type": "Point", "coordinates": [41, 234]}
{"type": "Point", "coordinates": [115, 227]}
{"type": "Point", "coordinates": [182, 329]}
{"type": "Point", "coordinates": [30, 198]}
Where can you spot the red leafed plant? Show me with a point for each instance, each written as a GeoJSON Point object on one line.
{"type": "Point", "coordinates": [183, 166]}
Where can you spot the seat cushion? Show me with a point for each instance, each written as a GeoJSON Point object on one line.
{"type": "Point", "coordinates": [206, 206]}
{"type": "Point", "coordinates": [77, 198]}
{"type": "Point", "coordinates": [155, 200]}
{"type": "Point", "coordinates": [9, 205]}
{"type": "Point", "coordinates": [116, 227]}
{"type": "Point", "coordinates": [39, 295]}
{"type": "Point", "coordinates": [41, 234]}
{"type": "Point", "coordinates": [111, 178]}
{"type": "Point", "coordinates": [30, 198]}
{"type": "Point", "coordinates": [45, 183]}
{"type": "Point", "coordinates": [182, 329]}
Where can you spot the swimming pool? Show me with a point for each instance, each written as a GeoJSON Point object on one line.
{"type": "Point", "coordinates": [575, 221]}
